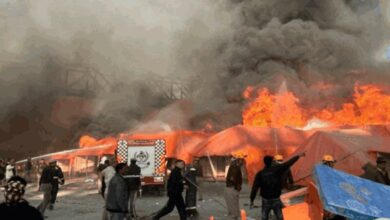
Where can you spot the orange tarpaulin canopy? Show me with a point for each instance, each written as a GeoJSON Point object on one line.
{"type": "Point", "coordinates": [179, 144]}
{"type": "Point", "coordinates": [255, 142]}
{"type": "Point", "coordinates": [350, 147]}
{"type": "Point", "coordinates": [296, 212]}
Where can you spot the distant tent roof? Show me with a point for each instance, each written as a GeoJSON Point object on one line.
{"type": "Point", "coordinates": [180, 144]}
{"type": "Point", "coordinates": [349, 147]}
{"type": "Point", "coordinates": [240, 137]}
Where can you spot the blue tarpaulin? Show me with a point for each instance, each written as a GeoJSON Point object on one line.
{"type": "Point", "coordinates": [351, 196]}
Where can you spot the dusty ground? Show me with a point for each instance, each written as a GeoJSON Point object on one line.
{"type": "Point", "coordinates": [78, 200]}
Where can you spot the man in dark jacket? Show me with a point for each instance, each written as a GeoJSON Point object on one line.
{"type": "Point", "coordinates": [45, 185]}
{"type": "Point", "coordinates": [118, 194]}
{"type": "Point", "coordinates": [2, 171]}
{"type": "Point", "coordinates": [15, 207]}
{"type": "Point", "coordinates": [39, 169]}
{"type": "Point", "coordinates": [287, 178]}
{"type": "Point", "coordinates": [270, 182]}
{"type": "Point", "coordinates": [175, 187]}
{"type": "Point", "coordinates": [133, 178]}
{"type": "Point", "coordinates": [58, 179]}
{"type": "Point", "coordinates": [233, 188]}
{"type": "Point", "coordinates": [379, 173]}
{"type": "Point", "coordinates": [190, 199]}
{"type": "Point", "coordinates": [28, 169]}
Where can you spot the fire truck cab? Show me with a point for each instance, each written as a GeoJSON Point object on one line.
{"type": "Point", "coordinates": [150, 157]}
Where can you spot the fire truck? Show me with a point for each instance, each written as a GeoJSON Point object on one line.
{"type": "Point", "coordinates": [150, 157]}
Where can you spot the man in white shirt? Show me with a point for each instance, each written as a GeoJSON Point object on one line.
{"type": "Point", "coordinates": [10, 170]}
{"type": "Point", "coordinates": [106, 176]}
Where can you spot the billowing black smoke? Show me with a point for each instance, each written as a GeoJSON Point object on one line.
{"type": "Point", "coordinates": [305, 42]}
{"type": "Point", "coordinates": [220, 47]}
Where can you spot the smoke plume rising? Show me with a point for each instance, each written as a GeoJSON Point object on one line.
{"type": "Point", "coordinates": [221, 46]}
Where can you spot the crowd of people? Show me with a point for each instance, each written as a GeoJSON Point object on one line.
{"type": "Point", "coordinates": [121, 183]}
{"type": "Point", "coordinates": [119, 187]}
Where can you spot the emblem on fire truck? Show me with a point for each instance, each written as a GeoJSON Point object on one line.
{"type": "Point", "coordinates": [142, 158]}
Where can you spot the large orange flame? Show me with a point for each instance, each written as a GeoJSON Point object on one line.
{"type": "Point", "coordinates": [370, 106]}
{"type": "Point", "coordinates": [88, 141]}
{"type": "Point", "coordinates": [267, 110]}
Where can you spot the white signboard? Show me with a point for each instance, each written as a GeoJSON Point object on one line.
{"type": "Point", "coordinates": [145, 156]}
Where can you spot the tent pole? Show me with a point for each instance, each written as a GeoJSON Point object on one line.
{"type": "Point", "coordinates": [276, 141]}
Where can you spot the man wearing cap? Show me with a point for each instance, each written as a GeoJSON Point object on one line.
{"type": "Point", "coordinates": [233, 188]}
{"type": "Point", "coordinates": [133, 178]}
{"type": "Point", "coordinates": [58, 179]}
{"type": "Point", "coordinates": [316, 210]}
{"type": "Point", "coordinates": [15, 206]}
{"type": "Point", "coordinates": [287, 177]}
{"type": "Point", "coordinates": [269, 181]}
{"type": "Point", "coordinates": [328, 160]}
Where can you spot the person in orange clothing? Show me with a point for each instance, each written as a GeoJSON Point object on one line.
{"type": "Point", "coordinates": [316, 210]}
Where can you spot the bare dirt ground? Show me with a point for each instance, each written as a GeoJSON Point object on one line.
{"type": "Point", "coordinates": [79, 200]}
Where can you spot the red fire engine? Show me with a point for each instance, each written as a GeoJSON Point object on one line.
{"type": "Point", "coordinates": [150, 156]}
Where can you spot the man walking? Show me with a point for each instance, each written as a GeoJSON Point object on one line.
{"type": "Point", "coordinates": [133, 177]}
{"type": "Point", "coordinates": [175, 187]}
{"type": "Point", "coordinates": [58, 179]}
{"type": "Point", "coordinates": [118, 195]}
{"type": "Point", "coordinates": [270, 182]}
{"type": "Point", "coordinates": [102, 165]}
{"type": "Point", "coordinates": [10, 170]}
{"type": "Point", "coordinates": [233, 188]}
{"type": "Point", "coordinates": [45, 185]}
{"type": "Point", "coordinates": [106, 175]}
{"type": "Point", "coordinates": [28, 169]}
{"type": "Point", "coordinates": [39, 169]}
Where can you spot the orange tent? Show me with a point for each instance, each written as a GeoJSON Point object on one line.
{"type": "Point", "coordinates": [350, 147]}
{"type": "Point", "coordinates": [180, 144]}
{"type": "Point", "coordinates": [299, 211]}
{"type": "Point", "coordinates": [255, 142]}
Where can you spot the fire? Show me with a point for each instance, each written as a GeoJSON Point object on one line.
{"type": "Point", "coordinates": [248, 92]}
{"type": "Point", "coordinates": [370, 106]}
{"type": "Point", "coordinates": [88, 141]}
{"type": "Point", "coordinates": [268, 110]}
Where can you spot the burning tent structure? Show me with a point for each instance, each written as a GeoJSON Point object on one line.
{"type": "Point", "coordinates": [352, 149]}
{"type": "Point", "coordinates": [179, 144]}
{"type": "Point", "coordinates": [254, 143]}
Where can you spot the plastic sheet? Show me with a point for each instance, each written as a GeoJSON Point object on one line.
{"type": "Point", "coordinates": [351, 196]}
